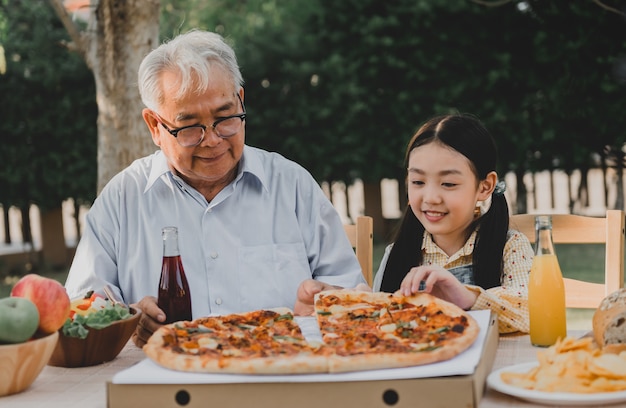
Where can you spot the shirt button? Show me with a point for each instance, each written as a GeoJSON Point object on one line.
{"type": "Point", "coordinates": [218, 301]}
{"type": "Point", "coordinates": [213, 255]}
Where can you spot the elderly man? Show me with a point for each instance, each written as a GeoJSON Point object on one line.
{"type": "Point", "coordinates": [255, 229]}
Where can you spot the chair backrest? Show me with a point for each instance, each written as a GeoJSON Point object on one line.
{"type": "Point", "coordinates": [361, 236]}
{"type": "Point", "coordinates": [574, 229]}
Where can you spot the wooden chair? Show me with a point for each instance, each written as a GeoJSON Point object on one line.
{"type": "Point", "coordinates": [361, 236]}
{"type": "Point", "coordinates": [574, 229]}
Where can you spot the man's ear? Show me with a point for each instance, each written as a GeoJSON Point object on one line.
{"type": "Point", "coordinates": [153, 125]}
{"type": "Point", "coordinates": [486, 186]}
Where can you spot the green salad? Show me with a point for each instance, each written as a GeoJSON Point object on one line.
{"type": "Point", "coordinates": [77, 327]}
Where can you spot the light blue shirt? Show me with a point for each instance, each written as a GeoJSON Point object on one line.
{"type": "Point", "coordinates": [249, 248]}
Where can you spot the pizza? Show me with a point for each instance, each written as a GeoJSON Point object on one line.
{"type": "Point", "coordinates": [368, 331]}
{"type": "Point", "coordinates": [358, 331]}
{"type": "Point", "coordinates": [257, 342]}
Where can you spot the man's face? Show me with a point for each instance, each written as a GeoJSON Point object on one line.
{"type": "Point", "coordinates": [214, 161]}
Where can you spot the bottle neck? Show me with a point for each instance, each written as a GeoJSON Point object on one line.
{"type": "Point", "coordinates": [544, 245]}
{"type": "Point", "coordinates": [543, 235]}
{"type": "Point", "coordinates": [170, 241]}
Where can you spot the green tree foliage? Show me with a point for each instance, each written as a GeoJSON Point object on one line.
{"type": "Point", "coordinates": [340, 86]}
{"type": "Point", "coordinates": [579, 51]}
{"type": "Point", "coordinates": [48, 114]}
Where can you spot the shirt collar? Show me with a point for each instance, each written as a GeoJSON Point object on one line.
{"type": "Point", "coordinates": [429, 246]}
{"type": "Point", "coordinates": [250, 162]}
{"type": "Point", "coordinates": [158, 167]}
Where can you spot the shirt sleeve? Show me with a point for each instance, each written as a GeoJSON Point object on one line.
{"type": "Point", "coordinates": [94, 263]}
{"type": "Point", "coordinates": [510, 300]}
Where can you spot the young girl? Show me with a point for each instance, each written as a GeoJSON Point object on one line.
{"type": "Point", "coordinates": [454, 239]}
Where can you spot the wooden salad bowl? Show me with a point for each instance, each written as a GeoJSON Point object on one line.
{"type": "Point", "coordinates": [100, 345]}
{"type": "Point", "coordinates": [21, 363]}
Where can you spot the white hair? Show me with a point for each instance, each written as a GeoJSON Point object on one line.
{"type": "Point", "coordinates": [192, 55]}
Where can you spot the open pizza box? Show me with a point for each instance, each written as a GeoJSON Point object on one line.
{"type": "Point", "coordinates": [458, 382]}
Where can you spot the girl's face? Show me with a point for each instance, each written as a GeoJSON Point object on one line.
{"type": "Point", "coordinates": [443, 191]}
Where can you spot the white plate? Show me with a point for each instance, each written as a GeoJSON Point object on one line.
{"type": "Point", "coordinates": [550, 398]}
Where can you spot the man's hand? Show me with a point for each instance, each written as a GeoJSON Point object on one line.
{"type": "Point", "coordinates": [152, 317]}
{"type": "Point", "coordinates": [306, 292]}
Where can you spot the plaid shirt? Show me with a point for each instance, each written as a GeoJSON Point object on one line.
{"type": "Point", "coordinates": [510, 300]}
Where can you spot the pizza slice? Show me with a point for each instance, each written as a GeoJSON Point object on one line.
{"type": "Point", "coordinates": [367, 330]}
{"type": "Point", "coordinates": [257, 342]}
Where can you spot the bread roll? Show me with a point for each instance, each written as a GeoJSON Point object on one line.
{"type": "Point", "coordinates": [609, 322]}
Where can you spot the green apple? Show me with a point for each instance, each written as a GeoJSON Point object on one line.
{"type": "Point", "coordinates": [19, 319]}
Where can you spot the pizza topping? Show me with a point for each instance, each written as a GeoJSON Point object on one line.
{"type": "Point", "coordinates": [208, 342]}
{"type": "Point", "coordinates": [388, 328]}
{"type": "Point", "coordinates": [323, 313]}
{"type": "Point", "coordinates": [458, 328]}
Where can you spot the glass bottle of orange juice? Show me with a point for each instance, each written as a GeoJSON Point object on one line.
{"type": "Point", "coordinates": [546, 291]}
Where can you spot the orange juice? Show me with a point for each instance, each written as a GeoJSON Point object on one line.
{"type": "Point", "coordinates": [546, 301]}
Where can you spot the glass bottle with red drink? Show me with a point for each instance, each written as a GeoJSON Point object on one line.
{"type": "Point", "coordinates": [174, 296]}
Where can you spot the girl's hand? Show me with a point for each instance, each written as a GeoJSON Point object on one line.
{"type": "Point", "coordinates": [438, 282]}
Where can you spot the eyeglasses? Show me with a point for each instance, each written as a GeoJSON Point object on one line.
{"type": "Point", "coordinates": [189, 136]}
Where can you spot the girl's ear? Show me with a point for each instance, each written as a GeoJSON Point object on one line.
{"type": "Point", "coordinates": [486, 186]}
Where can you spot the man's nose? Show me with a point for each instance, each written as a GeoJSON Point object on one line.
{"type": "Point", "coordinates": [210, 137]}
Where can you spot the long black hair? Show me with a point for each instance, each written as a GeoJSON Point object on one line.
{"type": "Point", "coordinates": [468, 136]}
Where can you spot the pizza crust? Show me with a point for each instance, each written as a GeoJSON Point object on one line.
{"type": "Point", "coordinates": [363, 362]}
{"type": "Point", "coordinates": [300, 364]}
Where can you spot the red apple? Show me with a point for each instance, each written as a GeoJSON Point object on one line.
{"type": "Point", "coordinates": [49, 296]}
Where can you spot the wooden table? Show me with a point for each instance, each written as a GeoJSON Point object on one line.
{"type": "Point", "coordinates": [85, 387]}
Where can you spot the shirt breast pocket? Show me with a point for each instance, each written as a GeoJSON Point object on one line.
{"type": "Point", "coordinates": [270, 274]}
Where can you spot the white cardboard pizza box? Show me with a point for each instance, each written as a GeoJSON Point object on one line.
{"type": "Point", "coordinates": [458, 382]}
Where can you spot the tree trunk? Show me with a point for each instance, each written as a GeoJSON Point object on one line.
{"type": "Point", "coordinates": [552, 193]}
{"type": "Point", "coordinates": [27, 236]}
{"type": "Point", "coordinates": [126, 32]}
{"type": "Point", "coordinates": [521, 193]}
{"type": "Point", "coordinates": [583, 188]}
{"type": "Point", "coordinates": [118, 35]}
{"type": "Point", "coordinates": [620, 158]}
{"type": "Point", "coordinates": [604, 166]}
{"type": "Point", "coordinates": [53, 248]}
{"type": "Point", "coordinates": [7, 226]}
{"type": "Point", "coordinates": [351, 219]}
{"type": "Point", "coordinates": [77, 219]}
{"type": "Point", "coordinates": [619, 200]}
{"type": "Point", "coordinates": [570, 198]}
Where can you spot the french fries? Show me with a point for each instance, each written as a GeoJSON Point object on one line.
{"type": "Point", "coordinates": [573, 365]}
